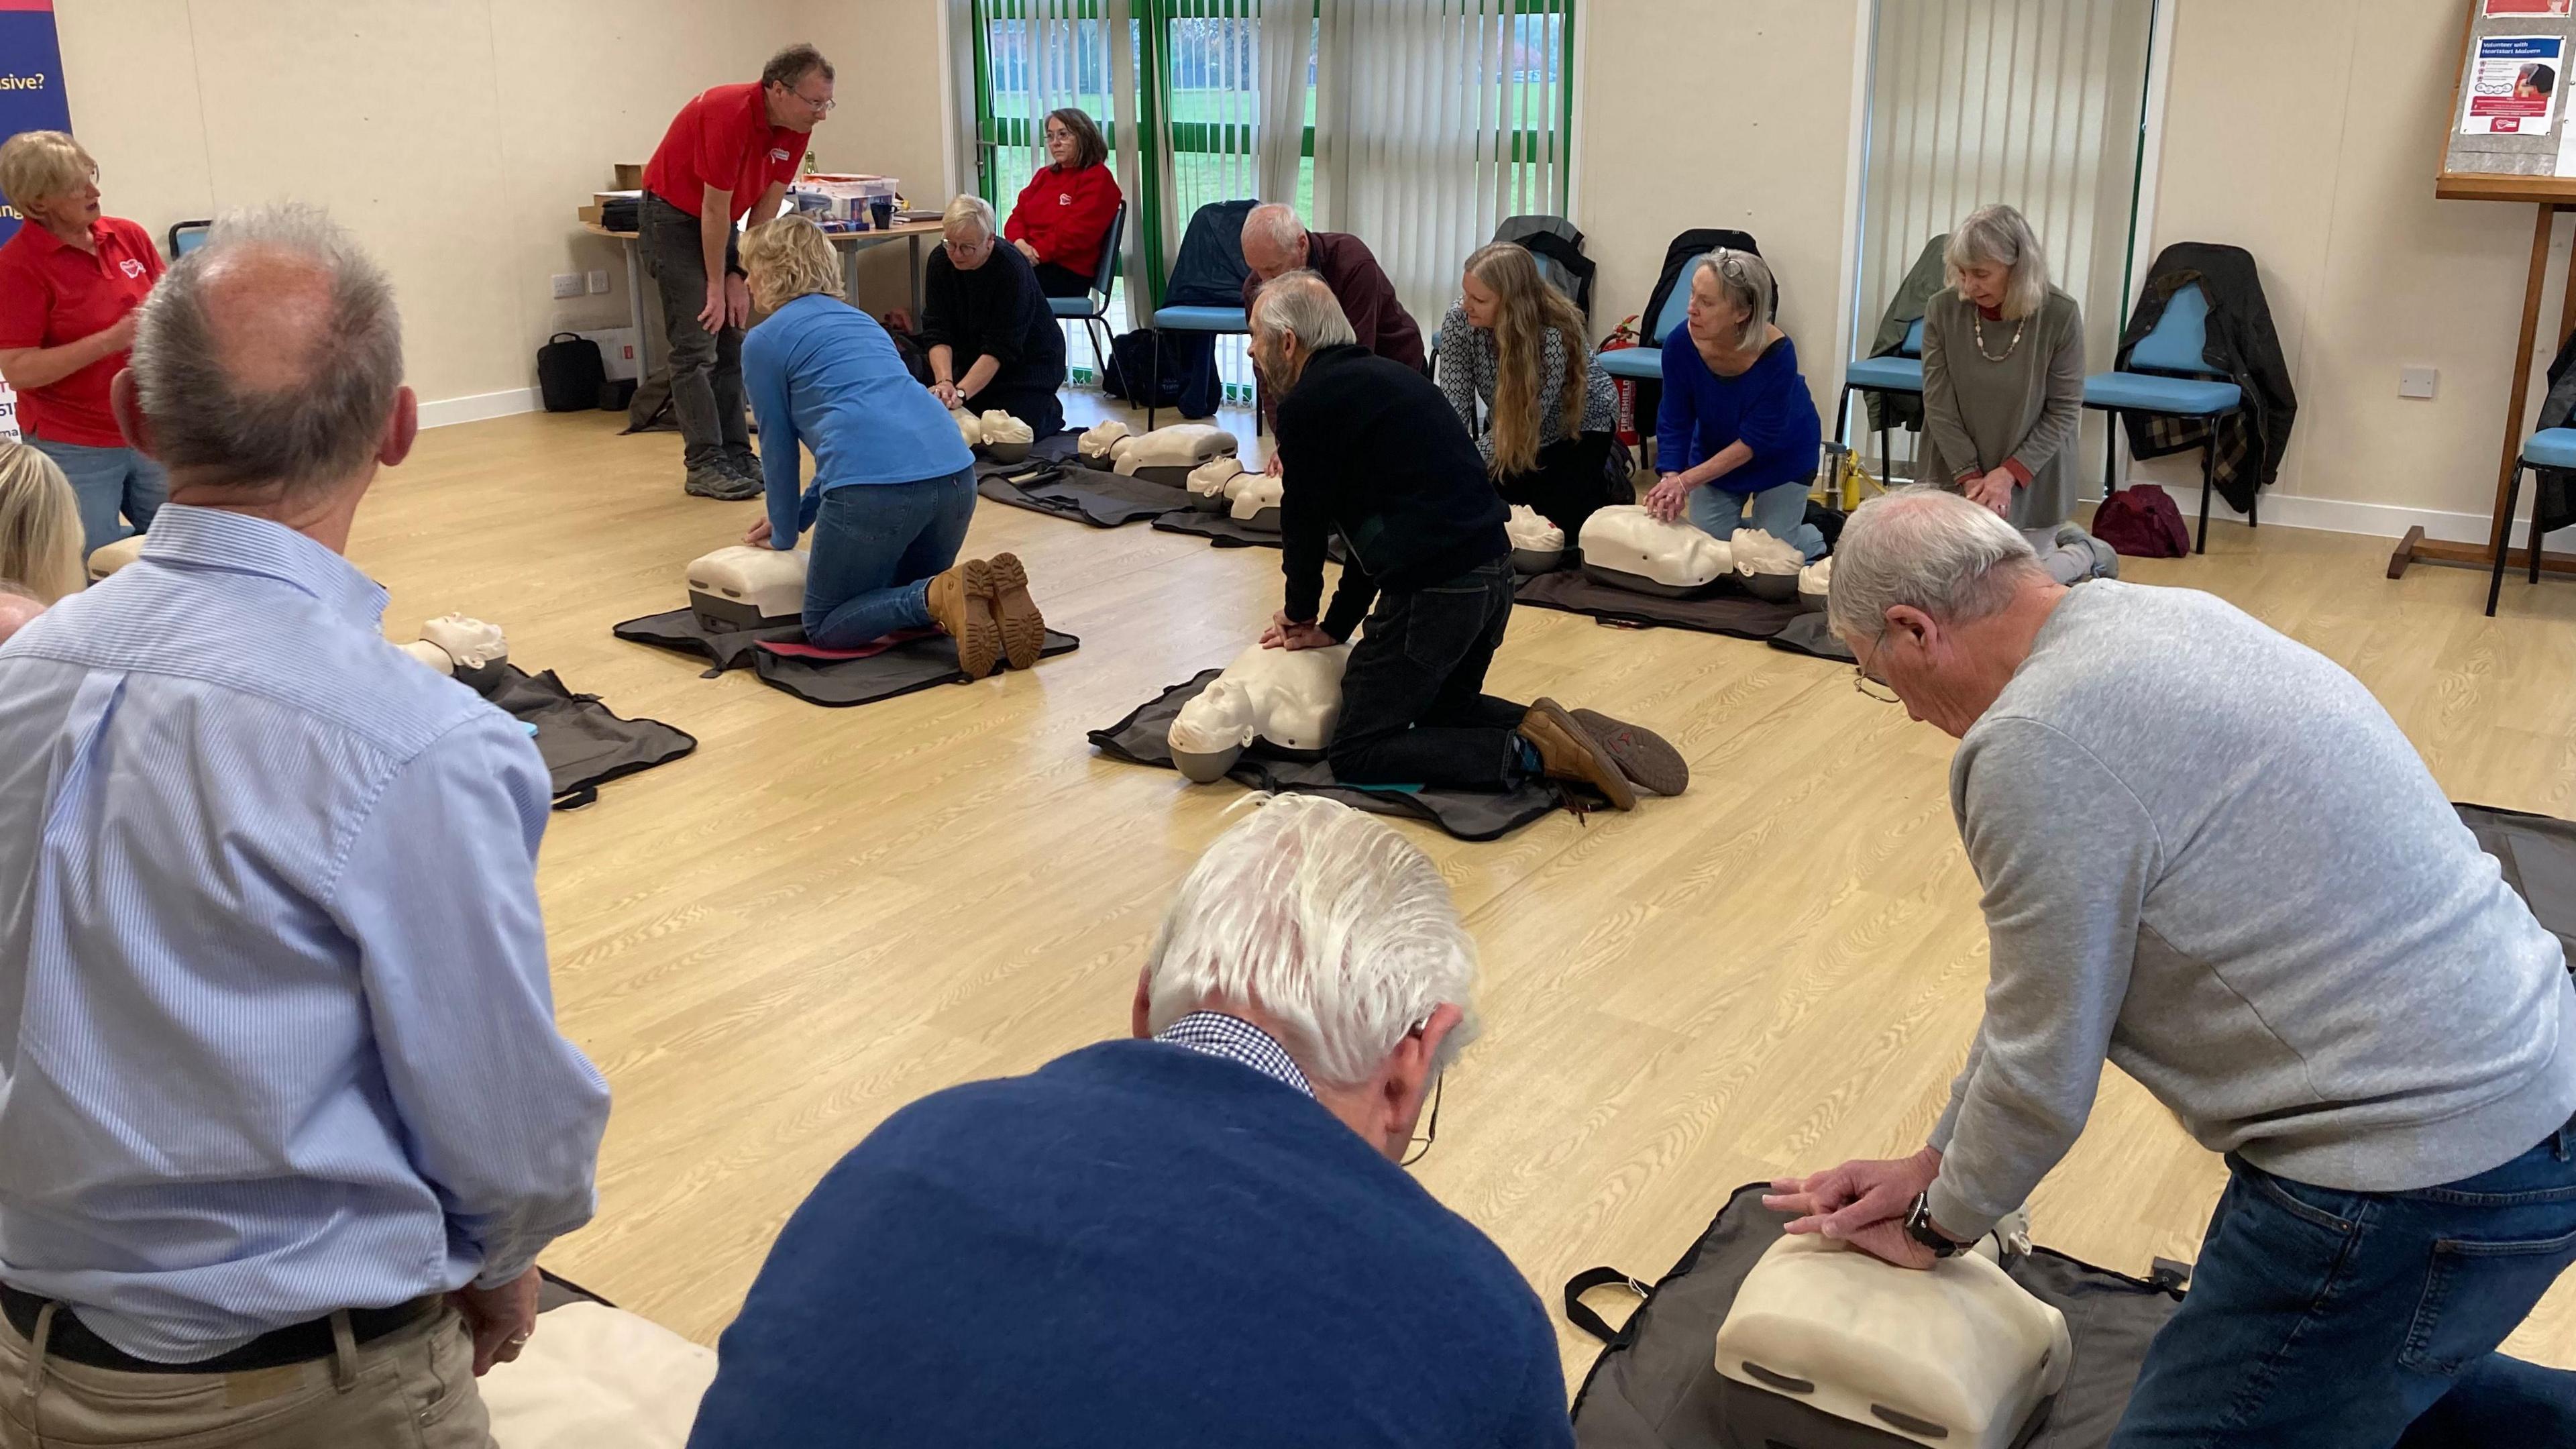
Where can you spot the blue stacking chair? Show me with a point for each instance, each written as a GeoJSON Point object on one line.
{"type": "Point", "coordinates": [1898, 371]}
{"type": "Point", "coordinates": [187, 236]}
{"type": "Point", "coordinates": [1220, 320]}
{"type": "Point", "coordinates": [2166, 377]}
{"type": "Point", "coordinates": [1644, 363]}
{"type": "Point", "coordinates": [2548, 448]}
{"type": "Point", "coordinates": [1091, 309]}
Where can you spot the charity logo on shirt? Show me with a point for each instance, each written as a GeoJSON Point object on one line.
{"type": "Point", "coordinates": [1064, 198]}
{"type": "Point", "coordinates": [132, 267]}
{"type": "Point", "coordinates": [775, 154]}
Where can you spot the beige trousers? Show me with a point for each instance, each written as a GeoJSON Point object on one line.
{"type": "Point", "coordinates": [413, 1387]}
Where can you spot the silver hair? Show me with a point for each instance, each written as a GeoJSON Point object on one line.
{"type": "Point", "coordinates": [968, 217]}
{"type": "Point", "coordinates": [1301, 305]}
{"type": "Point", "coordinates": [2000, 235]}
{"type": "Point", "coordinates": [1929, 549]}
{"type": "Point", "coordinates": [1340, 932]}
{"type": "Point", "coordinates": [310, 434]}
{"type": "Point", "coordinates": [1276, 223]}
{"type": "Point", "coordinates": [1746, 279]}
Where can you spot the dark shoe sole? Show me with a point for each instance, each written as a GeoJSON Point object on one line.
{"type": "Point", "coordinates": [725, 490]}
{"type": "Point", "coordinates": [1023, 627]}
{"type": "Point", "coordinates": [1643, 755]}
{"type": "Point", "coordinates": [1606, 776]}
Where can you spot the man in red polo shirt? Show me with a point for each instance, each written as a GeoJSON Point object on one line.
{"type": "Point", "coordinates": [729, 153]}
{"type": "Point", "coordinates": [70, 281]}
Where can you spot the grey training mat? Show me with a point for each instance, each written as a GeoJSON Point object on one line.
{"type": "Point", "coordinates": [584, 744]}
{"type": "Point", "coordinates": [1807, 634]}
{"type": "Point", "coordinates": [914, 664]}
{"type": "Point", "coordinates": [1726, 609]}
{"type": "Point", "coordinates": [2538, 854]}
{"type": "Point", "coordinates": [1140, 739]}
{"type": "Point", "coordinates": [1657, 1387]}
{"type": "Point", "coordinates": [1057, 448]}
{"type": "Point", "coordinates": [1086, 495]}
{"type": "Point", "coordinates": [1221, 530]}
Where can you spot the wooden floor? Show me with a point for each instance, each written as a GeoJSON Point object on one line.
{"type": "Point", "coordinates": [824, 914]}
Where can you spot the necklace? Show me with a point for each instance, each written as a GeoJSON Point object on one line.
{"type": "Point", "coordinates": [1978, 321]}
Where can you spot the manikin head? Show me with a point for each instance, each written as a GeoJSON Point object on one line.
{"type": "Point", "coordinates": [1072, 141]}
{"type": "Point", "coordinates": [1939, 600]}
{"type": "Point", "coordinates": [1994, 261]}
{"type": "Point", "coordinates": [1730, 301]}
{"type": "Point", "coordinates": [1293, 317]}
{"type": "Point", "coordinates": [267, 373]}
{"type": "Point", "coordinates": [797, 84]}
{"type": "Point", "coordinates": [1327, 930]}
{"type": "Point", "coordinates": [51, 180]}
{"type": "Point", "coordinates": [40, 527]}
{"type": "Point", "coordinates": [1274, 240]}
{"type": "Point", "coordinates": [966, 230]}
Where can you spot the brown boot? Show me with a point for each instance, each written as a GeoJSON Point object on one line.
{"type": "Point", "coordinates": [1567, 752]}
{"type": "Point", "coordinates": [961, 602]}
{"type": "Point", "coordinates": [1642, 755]}
{"type": "Point", "coordinates": [1023, 627]}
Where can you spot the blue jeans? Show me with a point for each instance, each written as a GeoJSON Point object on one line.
{"type": "Point", "coordinates": [876, 548]}
{"type": "Point", "coordinates": [109, 482]}
{"type": "Point", "coordinates": [1780, 512]}
{"type": "Point", "coordinates": [2362, 1320]}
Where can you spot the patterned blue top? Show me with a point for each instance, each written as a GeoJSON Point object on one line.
{"type": "Point", "coordinates": [276, 1035]}
{"type": "Point", "coordinates": [1231, 1037]}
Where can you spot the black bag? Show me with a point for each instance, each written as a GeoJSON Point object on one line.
{"type": "Point", "coordinates": [571, 375]}
{"type": "Point", "coordinates": [1131, 366]}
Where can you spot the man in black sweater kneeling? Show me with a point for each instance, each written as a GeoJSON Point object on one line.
{"type": "Point", "coordinates": [1371, 451]}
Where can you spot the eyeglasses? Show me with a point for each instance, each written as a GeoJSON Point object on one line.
{"type": "Point", "coordinates": [1421, 1144]}
{"type": "Point", "coordinates": [1871, 686]}
{"type": "Point", "coordinates": [821, 108]}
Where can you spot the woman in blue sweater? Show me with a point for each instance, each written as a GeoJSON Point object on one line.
{"type": "Point", "coordinates": [894, 484]}
{"type": "Point", "coordinates": [1737, 439]}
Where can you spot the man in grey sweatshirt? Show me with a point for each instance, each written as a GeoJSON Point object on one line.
{"type": "Point", "coordinates": [2211, 857]}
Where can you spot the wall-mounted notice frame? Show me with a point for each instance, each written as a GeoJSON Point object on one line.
{"type": "Point", "coordinates": [2507, 135]}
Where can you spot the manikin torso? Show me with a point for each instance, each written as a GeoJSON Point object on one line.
{"type": "Point", "coordinates": [1628, 539]}
{"type": "Point", "coordinates": [1290, 697]}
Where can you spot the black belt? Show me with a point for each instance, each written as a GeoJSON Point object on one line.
{"type": "Point", "coordinates": [72, 1341]}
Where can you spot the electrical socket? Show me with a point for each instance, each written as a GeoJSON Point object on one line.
{"type": "Point", "coordinates": [599, 284]}
{"type": "Point", "coordinates": [567, 284]}
{"type": "Point", "coordinates": [2417, 381]}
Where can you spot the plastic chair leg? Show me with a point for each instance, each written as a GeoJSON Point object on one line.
{"type": "Point", "coordinates": [2208, 485]}
{"type": "Point", "coordinates": [1842, 416]}
{"type": "Point", "coordinates": [1886, 448]}
{"type": "Point", "coordinates": [2110, 453]}
{"type": "Point", "coordinates": [2504, 544]}
{"type": "Point", "coordinates": [1154, 382]}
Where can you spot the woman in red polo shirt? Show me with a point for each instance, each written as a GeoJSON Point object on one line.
{"type": "Point", "coordinates": [70, 281]}
{"type": "Point", "coordinates": [1061, 221]}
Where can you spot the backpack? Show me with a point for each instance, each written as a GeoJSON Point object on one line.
{"type": "Point", "coordinates": [1131, 364]}
{"type": "Point", "coordinates": [2142, 521]}
{"type": "Point", "coordinates": [571, 376]}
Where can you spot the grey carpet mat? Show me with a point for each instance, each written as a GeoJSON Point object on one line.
{"type": "Point", "coordinates": [1222, 531]}
{"type": "Point", "coordinates": [1725, 610]}
{"type": "Point", "coordinates": [912, 665]}
{"type": "Point", "coordinates": [1086, 495]}
{"type": "Point", "coordinates": [1655, 1386]}
{"type": "Point", "coordinates": [2538, 854]}
{"type": "Point", "coordinates": [584, 744]}
{"type": "Point", "coordinates": [1807, 634]}
{"type": "Point", "coordinates": [1056, 448]}
{"type": "Point", "coordinates": [1140, 739]}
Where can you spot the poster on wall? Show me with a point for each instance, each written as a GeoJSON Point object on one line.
{"type": "Point", "coordinates": [2513, 85]}
{"type": "Point", "coordinates": [31, 99]}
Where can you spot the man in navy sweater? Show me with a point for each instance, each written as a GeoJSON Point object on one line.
{"type": "Point", "coordinates": [1198, 1237]}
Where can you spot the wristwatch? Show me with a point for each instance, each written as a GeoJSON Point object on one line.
{"type": "Point", "coordinates": [1918, 1226]}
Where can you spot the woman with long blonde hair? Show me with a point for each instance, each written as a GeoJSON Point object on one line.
{"type": "Point", "coordinates": [894, 486]}
{"type": "Point", "coordinates": [1514, 363]}
{"type": "Point", "coordinates": [40, 525]}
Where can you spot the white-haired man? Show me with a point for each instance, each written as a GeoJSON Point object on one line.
{"type": "Point", "coordinates": [1276, 242]}
{"type": "Point", "coordinates": [2209, 855]}
{"type": "Point", "coordinates": [1197, 1237]}
{"type": "Point", "coordinates": [284, 1117]}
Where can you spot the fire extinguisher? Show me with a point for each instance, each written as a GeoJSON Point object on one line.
{"type": "Point", "coordinates": [1622, 336]}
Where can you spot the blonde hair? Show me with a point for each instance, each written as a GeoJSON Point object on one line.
{"type": "Point", "coordinates": [2000, 235]}
{"type": "Point", "coordinates": [787, 259]}
{"type": "Point", "coordinates": [40, 527]}
{"type": "Point", "coordinates": [41, 165]}
{"type": "Point", "coordinates": [1526, 307]}
{"type": "Point", "coordinates": [968, 216]}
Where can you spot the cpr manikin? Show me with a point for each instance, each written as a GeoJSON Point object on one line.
{"type": "Point", "coordinates": [1957, 1357]}
{"type": "Point", "coordinates": [1767, 566]}
{"type": "Point", "coordinates": [1626, 547]}
{"type": "Point", "coordinates": [465, 649]}
{"type": "Point", "coordinates": [1815, 581]}
{"type": "Point", "coordinates": [1254, 500]}
{"type": "Point", "coordinates": [1006, 438]}
{"type": "Point", "coordinates": [748, 588]}
{"type": "Point", "coordinates": [1167, 455]}
{"type": "Point", "coordinates": [1538, 546]}
{"type": "Point", "coordinates": [108, 558]}
{"type": "Point", "coordinates": [1209, 483]}
{"type": "Point", "coordinates": [1289, 697]}
{"type": "Point", "coordinates": [1096, 444]}
{"type": "Point", "coordinates": [970, 428]}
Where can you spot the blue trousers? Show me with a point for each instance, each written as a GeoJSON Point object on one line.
{"type": "Point", "coordinates": [1780, 512]}
{"type": "Point", "coordinates": [876, 548]}
{"type": "Point", "coordinates": [109, 482]}
{"type": "Point", "coordinates": [2363, 1320]}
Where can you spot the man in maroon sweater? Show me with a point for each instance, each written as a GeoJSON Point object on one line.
{"type": "Point", "coordinates": [1275, 242]}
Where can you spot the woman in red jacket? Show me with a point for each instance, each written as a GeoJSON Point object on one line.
{"type": "Point", "coordinates": [1061, 220]}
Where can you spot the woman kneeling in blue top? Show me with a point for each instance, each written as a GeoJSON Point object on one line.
{"type": "Point", "coordinates": [1737, 437]}
{"type": "Point", "coordinates": [894, 484]}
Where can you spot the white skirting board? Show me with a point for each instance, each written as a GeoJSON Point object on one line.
{"type": "Point", "coordinates": [2337, 515]}
{"type": "Point", "coordinates": [481, 405]}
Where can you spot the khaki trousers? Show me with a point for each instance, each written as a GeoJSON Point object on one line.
{"type": "Point", "coordinates": [413, 1387]}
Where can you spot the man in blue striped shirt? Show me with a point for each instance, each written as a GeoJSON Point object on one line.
{"type": "Point", "coordinates": [284, 1116]}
